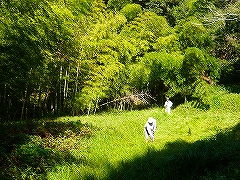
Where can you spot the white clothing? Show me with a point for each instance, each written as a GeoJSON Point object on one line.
{"type": "Point", "coordinates": [150, 128]}
{"type": "Point", "coordinates": [168, 104]}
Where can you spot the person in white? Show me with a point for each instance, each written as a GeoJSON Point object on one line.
{"type": "Point", "coordinates": [168, 104]}
{"type": "Point", "coordinates": [150, 128]}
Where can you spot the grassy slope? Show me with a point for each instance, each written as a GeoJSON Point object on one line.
{"type": "Point", "coordinates": [119, 138]}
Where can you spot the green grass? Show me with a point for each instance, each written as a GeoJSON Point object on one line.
{"type": "Point", "coordinates": [120, 138]}
{"type": "Point", "coordinates": [190, 143]}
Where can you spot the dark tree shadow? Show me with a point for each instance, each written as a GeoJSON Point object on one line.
{"type": "Point", "coordinates": [233, 88]}
{"type": "Point", "coordinates": [16, 133]}
{"type": "Point", "coordinates": [180, 160]}
{"type": "Point", "coordinates": [22, 145]}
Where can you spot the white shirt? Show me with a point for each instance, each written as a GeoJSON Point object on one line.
{"type": "Point", "coordinates": [151, 127]}
{"type": "Point", "coordinates": [168, 104]}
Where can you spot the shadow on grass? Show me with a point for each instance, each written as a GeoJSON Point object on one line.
{"type": "Point", "coordinates": [29, 148]}
{"type": "Point", "coordinates": [233, 88]}
{"type": "Point", "coordinates": [215, 158]}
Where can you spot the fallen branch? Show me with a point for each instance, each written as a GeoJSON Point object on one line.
{"type": "Point", "coordinates": [132, 99]}
{"type": "Point", "coordinates": [217, 17]}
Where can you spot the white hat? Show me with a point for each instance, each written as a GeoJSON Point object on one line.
{"type": "Point", "coordinates": [150, 120]}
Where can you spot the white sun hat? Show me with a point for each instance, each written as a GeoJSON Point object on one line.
{"type": "Point", "coordinates": [150, 120]}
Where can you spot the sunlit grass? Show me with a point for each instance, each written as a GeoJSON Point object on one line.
{"type": "Point", "coordinates": [119, 137]}
{"type": "Point", "coordinates": [111, 145]}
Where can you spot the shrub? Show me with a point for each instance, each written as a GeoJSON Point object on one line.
{"type": "Point", "coordinates": [215, 97]}
{"type": "Point", "coordinates": [30, 159]}
{"type": "Point", "coordinates": [130, 11]}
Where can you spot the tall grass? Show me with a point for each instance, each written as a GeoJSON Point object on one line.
{"type": "Point", "coordinates": [189, 142]}
{"type": "Point", "coordinates": [120, 142]}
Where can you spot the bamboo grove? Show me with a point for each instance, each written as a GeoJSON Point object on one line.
{"type": "Point", "coordinates": [72, 56]}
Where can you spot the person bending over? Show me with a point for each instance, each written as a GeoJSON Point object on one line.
{"type": "Point", "coordinates": [150, 128]}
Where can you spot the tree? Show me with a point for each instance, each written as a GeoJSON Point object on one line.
{"type": "Point", "coordinates": [225, 29]}
{"type": "Point", "coordinates": [103, 64]}
{"type": "Point", "coordinates": [72, 55]}
{"type": "Point", "coordinates": [40, 54]}
{"type": "Point", "coordinates": [198, 66]}
{"type": "Point", "coordinates": [130, 11]}
{"type": "Point", "coordinates": [24, 46]}
{"type": "Point", "coordinates": [164, 78]}
{"type": "Point", "coordinates": [117, 5]}
{"type": "Point", "coordinates": [163, 8]}
{"type": "Point", "coordinates": [192, 34]}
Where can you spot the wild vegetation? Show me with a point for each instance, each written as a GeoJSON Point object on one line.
{"type": "Point", "coordinates": [70, 69]}
{"type": "Point", "coordinates": [72, 56]}
{"type": "Point", "coordinates": [190, 143]}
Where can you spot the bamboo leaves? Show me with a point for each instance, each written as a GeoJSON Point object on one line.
{"type": "Point", "coordinates": [72, 55]}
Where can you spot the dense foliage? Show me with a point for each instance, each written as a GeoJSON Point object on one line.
{"type": "Point", "coordinates": [72, 56]}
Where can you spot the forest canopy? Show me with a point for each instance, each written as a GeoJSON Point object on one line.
{"type": "Point", "coordinates": [77, 56]}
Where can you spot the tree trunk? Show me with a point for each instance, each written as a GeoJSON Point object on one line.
{"type": "Point", "coordinates": [76, 82]}
{"type": "Point", "coordinates": [65, 88]}
{"type": "Point", "coordinates": [60, 88]}
{"type": "Point", "coordinates": [39, 100]}
{"type": "Point", "coordinates": [24, 102]}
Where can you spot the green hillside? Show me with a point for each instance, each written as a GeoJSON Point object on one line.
{"type": "Point", "coordinates": [80, 78]}
{"type": "Point", "coordinates": [189, 144]}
